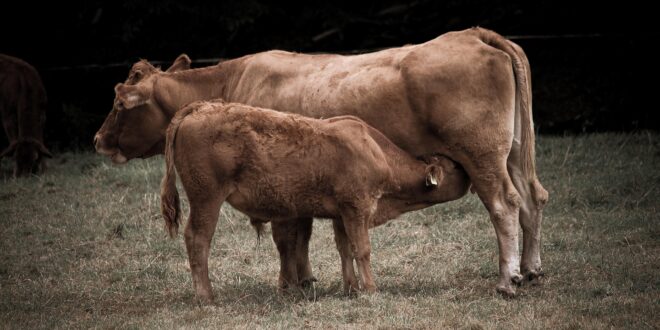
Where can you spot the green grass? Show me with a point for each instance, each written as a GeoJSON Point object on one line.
{"type": "Point", "coordinates": [84, 246]}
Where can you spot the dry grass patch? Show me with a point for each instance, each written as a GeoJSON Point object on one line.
{"type": "Point", "coordinates": [84, 246]}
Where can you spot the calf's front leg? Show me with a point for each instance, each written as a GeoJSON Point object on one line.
{"type": "Point", "coordinates": [285, 238]}
{"type": "Point", "coordinates": [304, 267]}
{"type": "Point", "coordinates": [292, 241]}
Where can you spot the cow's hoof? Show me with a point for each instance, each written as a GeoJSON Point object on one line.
{"type": "Point", "coordinates": [308, 282]}
{"type": "Point", "coordinates": [506, 290]}
{"type": "Point", "coordinates": [533, 277]}
{"type": "Point", "coordinates": [517, 279]}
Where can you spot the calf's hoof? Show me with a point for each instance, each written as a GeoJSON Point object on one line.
{"type": "Point", "coordinates": [308, 282]}
{"type": "Point", "coordinates": [205, 300]}
{"type": "Point", "coordinates": [369, 289]}
{"type": "Point", "coordinates": [351, 287]}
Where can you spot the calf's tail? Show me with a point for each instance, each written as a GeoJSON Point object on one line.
{"type": "Point", "coordinates": [169, 196]}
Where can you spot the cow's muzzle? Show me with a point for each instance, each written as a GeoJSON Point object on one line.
{"type": "Point", "coordinates": [114, 153]}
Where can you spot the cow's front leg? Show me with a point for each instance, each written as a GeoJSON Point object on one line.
{"type": "Point", "coordinates": [198, 234]}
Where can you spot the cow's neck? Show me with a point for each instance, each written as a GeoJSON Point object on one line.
{"type": "Point", "coordinates": [182, 87]}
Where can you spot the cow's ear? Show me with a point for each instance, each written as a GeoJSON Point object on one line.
{"type": "Point", "coordinates": [434, 175]}
{"type": "Point", "coordinates": [131, 96]}
{"type": "Point", "coordinates": [181, 63]}
{"type": "Point", "coordinates": [9, 151]}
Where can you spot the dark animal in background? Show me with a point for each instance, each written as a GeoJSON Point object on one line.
{"type": "Point", "coordinates": [286, 167]}
{"type": "Point", "coordinates": [23, 108]}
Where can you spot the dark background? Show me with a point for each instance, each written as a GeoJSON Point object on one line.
{"type": "Point", "coordinates": [586, 57]}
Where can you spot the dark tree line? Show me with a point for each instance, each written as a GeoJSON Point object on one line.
{"type": "Point", "coordinates": [579, 83]}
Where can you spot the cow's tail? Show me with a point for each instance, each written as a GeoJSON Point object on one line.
{"type": "Point", "coordinates": [523, 78]}
{"type": "Point", "coordinates": [169, 196]}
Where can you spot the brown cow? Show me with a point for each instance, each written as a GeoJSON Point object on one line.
{"type": "Point", "coordinates": [278, 166]}
{"type": "Point", "coordinates": [23, 109]}
{"type": "Point", "coordinates": [465, 94]}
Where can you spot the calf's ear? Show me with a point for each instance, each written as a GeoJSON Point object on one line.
{"type": "Point", "coordinates": [434, 175]}
{"type": "Point", "coordinates": [131, 96]}
{"type": "Point", "coordinates": [181, 63]}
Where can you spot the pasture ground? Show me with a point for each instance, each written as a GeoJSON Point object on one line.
{"type": "Point", "coordinates": [84, 246]}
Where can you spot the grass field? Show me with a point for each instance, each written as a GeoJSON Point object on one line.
{"type": "Point", "coordinates": [84, 246]}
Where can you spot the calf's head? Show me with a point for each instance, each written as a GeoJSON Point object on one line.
{"type": "Point", "coordinates": [445, 179]}
{"type": "Point", "coordinates": [135, 127]}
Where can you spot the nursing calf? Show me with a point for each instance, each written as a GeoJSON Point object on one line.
{"type": "Point", "coordinates": [283, 167]}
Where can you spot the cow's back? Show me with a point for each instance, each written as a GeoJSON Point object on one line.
{"type": "Point", "coordinates": [409, 93]}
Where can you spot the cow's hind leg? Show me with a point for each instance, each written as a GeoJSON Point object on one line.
{"type": "Point", "coordinates": [346, 256]}
{"type": "Point", "coordinates": [198, 234]}
{"type": "Point", "coordinates": [284, 236]}
{"type": "Point", "coordinates": [497, 192]}
{"type": "Point", "coordinates": [533, 198]}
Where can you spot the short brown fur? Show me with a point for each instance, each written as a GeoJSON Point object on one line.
{"type": "Point", "coordinates": [465, 94]}
{"type": "Point", "coordinates": [272, 165]}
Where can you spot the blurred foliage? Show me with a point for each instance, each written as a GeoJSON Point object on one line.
{"type": "Point", "coordinates": [98, 31]}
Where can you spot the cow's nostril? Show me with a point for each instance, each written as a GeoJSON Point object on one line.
{"type": "Point", "coordinates": [96, 140]}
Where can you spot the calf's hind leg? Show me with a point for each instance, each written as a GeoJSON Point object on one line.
{"type": "Point", "coordinates": [346, 256]}
{"type": "Point", "coordinates": [357, 230]}
{"type": "Point", "coordinates": [198, 234]}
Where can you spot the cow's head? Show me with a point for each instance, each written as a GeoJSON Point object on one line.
{"type": "Point", "coordinates": [28, 155]}
{"type": "Point", "coordinates": [136, 125]}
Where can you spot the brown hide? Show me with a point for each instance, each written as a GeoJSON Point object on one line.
{"type": "Point", "coordinates": [465, 94]}
{"type": "Point", "coordinates": [23, 109]}
{"type": "Point", "coordinates": [273, 165]}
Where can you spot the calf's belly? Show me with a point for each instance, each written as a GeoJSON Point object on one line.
{"type": "Point", "coordinates": [275, 206]}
